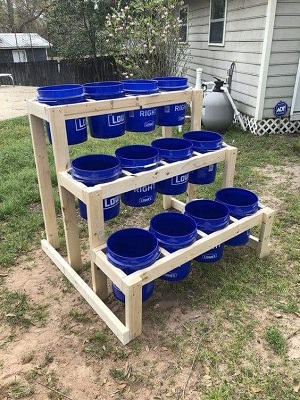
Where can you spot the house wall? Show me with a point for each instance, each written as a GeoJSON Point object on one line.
{"type": "Point", "coordinates": [36, 54]}
{"type": "Point", "coordinates": [31, 54]}
{"type": "Point", "coordinates": [244, 34]}
{"type": "Point", "coordinates": [284, 58]}
{"type": "Point", "coordinates": [6, 56]}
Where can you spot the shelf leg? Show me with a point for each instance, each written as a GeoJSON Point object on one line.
{"type": "Point", "coordinates": [44, 179]}
{"type": "Point", "coordinates": [71, 228]}
{"type": "Point", "coordinates": [133, 306]}
{"type": "Point", "coordinates": [94, 204]}
{"type": "Point", "coordinates": [197, 98]}
{"type": "Point", "coordinates": [166, 131]}
{"type": "Point", "coordinates": [229, 167]}
{"type": "Point", "coordinates": [191, 192]}
{"type": "Point", "coordinates": [263, 248]}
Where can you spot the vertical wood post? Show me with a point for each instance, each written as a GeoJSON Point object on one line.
{"type": "Point", "coordinates": [263, 248]}
{"type": "Point", "coordinates": [95, 218]}
{"type": "Point", "coordinates": [229, 166]}
{"type": "Point", "coordinates": [167, 202]}
{"type": "Point", "coordinates": [44, 179]}
{"type": "Point", "coordinates": [62, 163]}
{"type": "Point", "coordinates": [133, 306]}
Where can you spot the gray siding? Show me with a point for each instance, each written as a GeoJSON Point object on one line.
{"type": "Point", "coordinates": [5, 56]}
{"type": "Point", "coordinates": [244, 34]}
{"type": "Point", "coordinates": [36, 54]}
{"type": "Point", "coordinates": [285, 54]}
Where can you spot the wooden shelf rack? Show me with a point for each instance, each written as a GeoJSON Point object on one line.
{"type": "Point", "coordinates": [69, 189]}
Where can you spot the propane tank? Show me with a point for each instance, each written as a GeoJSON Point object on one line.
{"type": "Point", "coordinates": [217, 111]}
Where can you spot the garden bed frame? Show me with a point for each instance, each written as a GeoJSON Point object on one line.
{"type": "Point", "coordinates": [69, 189]}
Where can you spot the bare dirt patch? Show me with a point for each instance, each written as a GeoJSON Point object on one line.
{"type": "Point", "coordinates": [13, 100]}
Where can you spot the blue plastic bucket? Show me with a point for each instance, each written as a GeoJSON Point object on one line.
{"type": "Point", "coordinates": [143, 120]}
{"type": "Point", "coordinates": [171, 115]}
{"type": "Point", "coordinates": [204, 142]}
{"type": "Point", "coordinates": [57, 95]}
{"type": "Point", "coordinates": [174, 231]}
{"type": "Point", "coordinates": [108, 125]}
{"type": "Point", "coordinates": [241, 203]}
{"type": "Point", "coordinates": [171, 150]}
{"type": "Point", "coordinates": [132, 249]}
{"type": "Point", "coordinates": [93, 169]}
{"type": "Point", "coordinates": [210, 216]}
{"type": "Point", "coordinates": [134, 159]}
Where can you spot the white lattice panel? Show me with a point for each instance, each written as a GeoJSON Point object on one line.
{"type": "Point", "coordinates": [269, 126]}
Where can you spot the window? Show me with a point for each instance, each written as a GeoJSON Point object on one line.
{"type": "Point", "coordinates": [19, 56]}
{"type": "Point", "coordinates": [217, 21]}
{"type": "Point", "coordinates": [183, 16]}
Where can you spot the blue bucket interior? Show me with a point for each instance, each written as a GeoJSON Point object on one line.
{"type": "Point", "coordinates": [96, 167]}
{"type": "Point", "coordinates": [172, 227]}
{"type": "Point", "coordinates": [237, 197]}
{"type": "Point", "coordinates": [132, 247]}
{"type": "Point", "coordinates": [204, 140]}
{"type": "Point", "coordinates": [207, 209]}
{"type": "Point", "coordinates": [56, 92]}
{"type": "Point", "coordinates": [173, 149]}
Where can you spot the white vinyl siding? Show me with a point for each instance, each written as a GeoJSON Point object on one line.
{"type": "Point", "coordinates": [245, 24]}
{"type": "Point", "coordinates": [285, 53]}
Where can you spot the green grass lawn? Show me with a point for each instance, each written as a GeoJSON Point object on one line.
{"type": "Point", "coordinates": [245, 355]}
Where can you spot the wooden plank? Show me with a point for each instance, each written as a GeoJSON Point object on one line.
{"type": "Point", "coordinates": [265, 232]}
{"type": "Point", "coordinates": [229, 166]}
{"type": "Point", "coordinates": [37, 109]}
{"type": "Point", "coordinates": [77, 188]}
{"type": "Point", "coordinates": [44, 179]}
{"type": "Point", "coordinates": [95, 218]}
{"type": "Point", "coordinates": [127, 103]}
{"type": "Point", "coordinates": [133, 305]}
{"type": "Point", "coordinates": [160, 173]}
{"type": "Point", "coordinates": [62, 163]}
{"type": "Point", "coordinates": [197, 98]}
{"type": "Point", "coordinates": [119, 329]}
{"type": "Point", "coordinates": [166, 131]}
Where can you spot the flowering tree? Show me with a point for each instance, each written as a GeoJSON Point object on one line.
{"type": "Point", "coordinates": [144, 38]}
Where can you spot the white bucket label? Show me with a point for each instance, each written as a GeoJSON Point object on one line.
{"type": "Point", "coordinates": [179, 179]}
{"type": "Point", "coordinates": [146, 200]}
{"type": "Point", "coordinates": [167, 109]}
{"type": "Point", "coordinates": [210, 255]}
{"type": "Point", "coordinates": [111, 202]}
{"type": "Point", "coordinates": [180, 107]}
{"type": "Point", "coordinates": [147, 113]}
{"type": "Point", "coordinates": [80, 123]}
{"type": "Point", "coordinates": [116, 119]}
{"type": "Point", "coordinates": [149, 124]}
{"type": "Point", "coordinates": [210, 168]}
{"type": "Point", "coordinates": [174, 275]}
{"type": "Point", "coordinates": [144, 189]}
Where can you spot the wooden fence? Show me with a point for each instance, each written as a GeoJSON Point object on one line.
{"type": "Point", "coordinates": [52, 72]}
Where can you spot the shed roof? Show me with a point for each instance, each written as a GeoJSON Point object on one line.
{"type": "Point", "coordinates": [22, 40]}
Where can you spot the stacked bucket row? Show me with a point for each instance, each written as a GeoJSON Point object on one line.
{"type": "Point", "coordinates": [134, 249]}
{"type": "Point", "coordinates": [114, 125]}
{"type": "Point", "coordinates": [100, 168]}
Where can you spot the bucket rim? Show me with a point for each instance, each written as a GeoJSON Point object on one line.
{"type": "Point", "coordinates": [90, 156]}
{"type": "Point", "coordinates": [212, 203]}
{"type": "Point", "coordinates": [182, 216]}
{"type": "Point", "coordinates": [137, 160]}
{"type": "Point", "coordinates": [215, 136]}
{"type": "Point", "coordinates": [253, 195]}
{"type": "Point", "coordinates": [69, 90]}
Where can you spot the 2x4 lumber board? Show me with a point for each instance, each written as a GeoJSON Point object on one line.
{"type": "Point", "coordinates": [44, 179]}
{"type": "Point", "coordinates": [77, 188]}
{"type": "Point", "coordinates": [265, 232]}
{"type": "Point", "coordinates": [128, 103]}
{"type": "Point", "coordinates": [133, 306]}
{"type": "Point", "coordinates": [197, 98]}
{"type": "Point", "coordinates": [71, 228]}
{"type": "Point", "coordinates": [87, 293]}
{"type": "Point", "coordinates": [229, 166]}
{"type": "Point", "coordinates": [166, 264]}
{"type": "Point", "coordinates": [115, 274]}
{"type": "Point", "coordinates": [191, 192]}
{"type": "Point", "coordinates": [95, 219]}
{"type": "Point", "coordinates": [160, 173]}
{"type": "Point", "coordinates": [37, 109]}
{"type": "Point", "coordinates": [166, 131]}
{"type": "Point", "coordinates": [62, 163]}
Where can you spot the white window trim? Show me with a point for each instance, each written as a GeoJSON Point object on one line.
{"type": "Point", "coordinates": [187, 21]}
{"type": "Point", "coordinates": [216, 20]}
